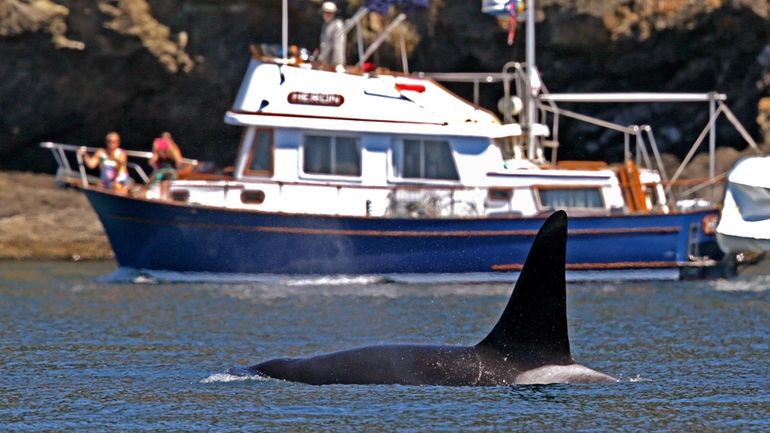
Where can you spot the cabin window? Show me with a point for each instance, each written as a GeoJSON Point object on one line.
{"type": "Point", "coordinates": [261, 158]}
{"type": "Point", "coordinates": [428, 159]}
{"type": "Point", "coordinates": [571, 198]}
{"type": "Point", "coordinates": [331, 155]}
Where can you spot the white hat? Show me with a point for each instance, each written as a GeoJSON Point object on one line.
{"type": "Point", "coordinates": [329, 7]}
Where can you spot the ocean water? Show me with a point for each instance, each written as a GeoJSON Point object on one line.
{"type": "Point", "coordinates": [78, 354]}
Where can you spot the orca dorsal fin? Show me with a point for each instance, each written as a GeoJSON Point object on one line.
{"type": "Point", "coordinates": [533, 326]}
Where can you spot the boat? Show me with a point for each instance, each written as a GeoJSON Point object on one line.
{"type": "Point", "coordinates": [391, 174]}
{"type": "Point", "coordinates": [744, 224]}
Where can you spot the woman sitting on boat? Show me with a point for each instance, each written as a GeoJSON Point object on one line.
{"type": "Point", "coordinates": [112, 163]}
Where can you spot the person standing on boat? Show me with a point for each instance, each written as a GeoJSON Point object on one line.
{"type": "Point", "coordinates": [332, 46]}
{"type": "Point", "coordinates": [166, 160]}
{"type": "Point", "coordinates": [166, 157]}
{"type": "Point", "coordinates": [112, 163]}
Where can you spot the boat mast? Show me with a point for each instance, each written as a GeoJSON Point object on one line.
{"type": "Point", "coordinates": [530, 61]}
{"type": "Point", "coordinates": [285, 29]}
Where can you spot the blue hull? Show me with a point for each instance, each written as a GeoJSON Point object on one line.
{"type": "Point", "coordinates": [175, 237]}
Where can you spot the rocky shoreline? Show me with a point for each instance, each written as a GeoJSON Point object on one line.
{"type": "Point", "coordinates": [41, 220]}
{"type": "Point", "coordinates": [75, 69]}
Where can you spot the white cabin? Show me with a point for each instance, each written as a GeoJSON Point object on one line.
{"type": "Point", "coordinates": [328, 143]}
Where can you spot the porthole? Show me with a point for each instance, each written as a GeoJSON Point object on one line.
{"type": "Point", "coordinates": [182, 195]}
{"type": "Point", "coordinates": [252, 196]}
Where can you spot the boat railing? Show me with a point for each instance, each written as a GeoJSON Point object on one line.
{"type": "Point", "coordinates": [474, 78]}
{"type": "Point", "coordinates": [717, 107]}
{"type": "Point", "coordinates": [68, 174]}
{"type": "Point", "coordinates": [520, 86]}
{"type": "Point", "coordinates": [514, 79]}
{"type": "Point", "coordinates": [641, 135]}
{"type": "Point", "coordinates": [354, 22]}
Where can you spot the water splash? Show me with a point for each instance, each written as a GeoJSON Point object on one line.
{"type": "Point", "coordinates": [759, 283]}
{"type": "Point", "coordinates": [638, 378]}
{"type": "Point", "coordinates": [145, 276]}
{"type": "Point", "coordinates": [335, 280]}
{"type": "Point", "coordinates": [231, 377]}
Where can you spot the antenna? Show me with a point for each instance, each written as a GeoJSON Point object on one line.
{"type": "Point", "coordinates": [531, 71]}
{"type": "Point", "coordinates": [285, 30]}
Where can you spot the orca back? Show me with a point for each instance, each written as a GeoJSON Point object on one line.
{"type": "Point", "coordinates": [533, 326]}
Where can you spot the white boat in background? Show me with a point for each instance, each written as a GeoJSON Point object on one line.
{"type": "Point", "coordinates": [744, 225]}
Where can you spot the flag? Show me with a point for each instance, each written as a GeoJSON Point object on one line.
{"type": "Point", "coordinates": [511, 8]}
{"type": "Point", "coordinates": [382, 6]}
{"type": "Point", "coordinates": [501, 7]}
{"type": "Point", "coordinates": [515, 7]}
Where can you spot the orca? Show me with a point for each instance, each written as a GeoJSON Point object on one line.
{"type": "Point", "coordinates": [528, 345]}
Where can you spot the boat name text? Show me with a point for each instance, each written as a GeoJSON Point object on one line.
{"type": "Point", "coordinates": [326, 99]}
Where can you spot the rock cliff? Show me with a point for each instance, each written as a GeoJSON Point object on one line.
{"type": "Point", "coordinates": [74, 69]}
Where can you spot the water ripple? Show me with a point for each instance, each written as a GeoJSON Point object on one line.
{"type": "Point", "coordinates": [77, 354]}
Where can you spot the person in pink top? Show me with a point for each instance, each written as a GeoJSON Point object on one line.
{"type": "Point", "coordinates": [166, 160]}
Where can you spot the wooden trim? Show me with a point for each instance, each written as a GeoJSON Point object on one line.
{"type": "Point", "coordinates": [625, 189]}
{"type": "Point", "coordinates": [204, 176]}
{"type": "Point", "coordinates": [631, 186]}
{"type": "Point", "coordinates": [581, 165]}
{"type": "Point", "coordinates": [635, 181]}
